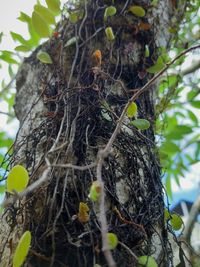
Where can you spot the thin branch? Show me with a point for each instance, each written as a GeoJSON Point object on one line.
{"type": "Point", "coordinates": [7, 114]}
{"type": "Point", "coordinates": [189, 225]}
{"type": "Point", "coordinates": [129, 250]}
{"type": "Point", "coordinates": [75, 167]}
{"type": "Point", "coordinates": [103, 153]}
{"type": "Point", "coordinates": [3, 90]}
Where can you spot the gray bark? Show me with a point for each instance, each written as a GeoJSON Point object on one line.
{"type": "Point", "coordinates": [64, 120]}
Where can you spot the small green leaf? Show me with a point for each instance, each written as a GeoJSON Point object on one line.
{"type": "Point", "coordinates": [17, 37]}
{"type": "Point", "coordinates": [95, 191]}
{"type": "Point", "coordinates": [137, 11]}
{"type": "Point", "coordinates": [71, 41]}
{"type": "Point", "coordinates": [195, 104]}
{"type": "Point", "coordinates": [73, 17]}
{"type": "Point", "coordinates": [132, 110]}
{"type": "Point", "coordinates": [7, 56]}
{"type": "Point", "coordinates": [22, 249]}
{"type": "Point", "coordinates": [54, 6]}
{"type": "Point", "coordinates": [22, 48]}
{"type": "Point", "coordinates": [141, 124]}
{"type": "Point", "coordinates": [45, 13]}
{"type": "Point", "coordinates": [1, 36]}
{"type": "Point", "coordinates": [154, 2]}
{"type": "Point", "coordinates": [166, 215]}
{"type": "Point", "coordinates": [109, 11]}
{"type": "Point", "coordinates": [44, 57]}
{"type": "Point", "coordinates": [17, 179]}
{"type": "Point", "coordinates": [109, 34]}
{"type": "Point", "coordinates": [2, 189]}
{"type": "Point", "coordinates": [170, 148]}
{"type": "Point", "coordinates": [147, 53]}
{"type": "Point", "coordinates": [193, 117]}
{"type": "Point", "coordinates": [157, 67]}
{"type": "Point", "coordinates": [191, 95]}
{"type": "Point", "coordinates": [147, 261]}
{"type": "Point", "coordinates": [24, 17]}
{"type": "Point", "coordinates": [168, 187]}
{"type": "Point", "coordinates": [176, 222]}
{"type": "Point", "coordinates": [112, 240]}
{"type": "Point", "coordinates": [40, 25]}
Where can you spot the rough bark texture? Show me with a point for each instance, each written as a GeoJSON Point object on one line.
{"type": "Point", "coordinates": [67, 112]}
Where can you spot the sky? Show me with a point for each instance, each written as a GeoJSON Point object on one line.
{"type": "Point", "coordinates": [9, 11]}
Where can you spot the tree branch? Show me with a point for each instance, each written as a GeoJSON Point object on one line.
{"type": "Point", "coordinates": [189, 225]}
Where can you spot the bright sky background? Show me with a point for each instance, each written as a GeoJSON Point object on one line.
{"type": "Point", "coordinates": [9, 11]}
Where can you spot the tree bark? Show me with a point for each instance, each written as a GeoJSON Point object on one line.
{"type": "Point", "coordinates": [68, 112]}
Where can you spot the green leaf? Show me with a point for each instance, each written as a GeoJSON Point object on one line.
{"type": "Point", "coordinates": [168, 187]}
{"type": "Point", "coordinates": [167, 215]}
{"type": "Point", "coordinates": [1, 36]}
{"type": "Point", "coordinates": [147, 261]}
{"type": "Point", "coordinates": [24, 17]}
{"type": "Point", "coordinates": [44, 57]}
{"type": "Point", "coordinates": [178, 132]}
{"type": "Point", "coordinates": [132, 110]}
{"type": "Point", "coordinates": [109, 34]}
{"type": "Point", "coordinates": [40, 25]}
{"type": "Point", "coordinates": [71, 41]}
{"type": "Point", "coordinates": [193, 117]}
{"type": "Point", "coordinates": [109, 11]}
{"type": "Point", "coordinates": [137, 11]}
{"type": "Point", "coordinates": [157, 67]}
{"type": "Point", "coordinates": [7, 56]}
{"type": "Point", "coordinates": [54, 6]}
{"type": "Point", "coordinates": [2, 189]}
{"type": "Point", "coordinates": [22, 48]}
{"type": "Point", "coordinates": [22, 249]}
{"type": "Point", "coordinates": [195, 104]}
{"type": "Point", "coordinates": [17, 37]}
{"type": "Point", "coordinates": [147, 53]}
{"type": "Point", "coordinates": [73, 17]}
{"type": "Point", "coordinates": [176, 222]}
{"type": "Point", "coordinates": [45, 13]}
{"type": "Point", "coordinates": [170, 148]}
{"type": "Point", "coordinates": [183, 129]}
{"type": "Point", "coordinates": [191, 95]}
{"type": "Point", "coordinates": [95, 191]}
{"type": "Point", "coordinates": [112, 240]}
{"type": "Point", "coordinates": [141, 124]}
{"type": "Point", "coordinates": [154, 2]}
{"type": "Point", "coordinates": [17, 179]}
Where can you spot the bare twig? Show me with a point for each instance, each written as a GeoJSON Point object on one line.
{"type": "Point", "coordinates": [75, 167]}
{"type": "Point", "coordinates": [7, 114]}
{"type": "Point", "coordinates": [129, 250]}
{"type": "Point", "coordinates": [6, 88]}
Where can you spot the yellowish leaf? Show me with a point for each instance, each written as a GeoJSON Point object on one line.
{"type": "Point", "coordinates": [137, 11]}
{"type": "Point", "coordinates": [17, 179]}
{"type": "Point", "coordinates": [83, 215]}
{"type": "Point", "coordinates": [22, 249]}
{"type": "Point", "coordinates": [95, 191]}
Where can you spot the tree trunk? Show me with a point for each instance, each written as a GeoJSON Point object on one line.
{"type": "Point", "coordinates": [68, 112]}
